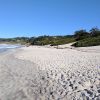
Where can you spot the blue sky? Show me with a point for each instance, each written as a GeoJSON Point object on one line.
{"type": "Point", "coordinates": [47, 17]}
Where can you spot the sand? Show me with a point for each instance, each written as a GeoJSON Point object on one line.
{"type": "Point", "coordinates": [41, 73]}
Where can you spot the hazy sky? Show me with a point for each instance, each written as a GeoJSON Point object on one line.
{"type": "Point", "coordinates": [47, 17]}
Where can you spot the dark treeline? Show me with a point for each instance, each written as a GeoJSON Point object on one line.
{"type": "Point", "coordinates": [82, 38]}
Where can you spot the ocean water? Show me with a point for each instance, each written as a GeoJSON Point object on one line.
{"type": "Point", "coordinates": [5, 47]}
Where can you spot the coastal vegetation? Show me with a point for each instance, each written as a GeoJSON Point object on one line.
{"type": "Point", "coordinates": [18, 40]}
{"type": "Point", "coordinates": [82, 38]}
{"type": "Point", "coordinates": [52, 40]}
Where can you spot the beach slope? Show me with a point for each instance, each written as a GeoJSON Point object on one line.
{"type": "Point", "coordinates": [40, 73]}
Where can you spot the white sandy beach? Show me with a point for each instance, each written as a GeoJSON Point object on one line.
{"type": "Point", "coordinates": [40, 73]}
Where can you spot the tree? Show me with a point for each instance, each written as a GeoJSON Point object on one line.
{"type": "Point", "coordinates": [95, 31]}
{"type": "Point", "coordinates": [81, 34]}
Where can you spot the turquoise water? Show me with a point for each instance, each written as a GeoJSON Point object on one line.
{"type": "Point", "coordinates": [5, 47]}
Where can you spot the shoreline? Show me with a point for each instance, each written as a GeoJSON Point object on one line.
{"type": "Point", "coordinates": [9, 47]}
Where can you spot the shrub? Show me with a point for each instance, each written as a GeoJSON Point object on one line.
{"type": "Point", "coordinates": [91, 41]}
